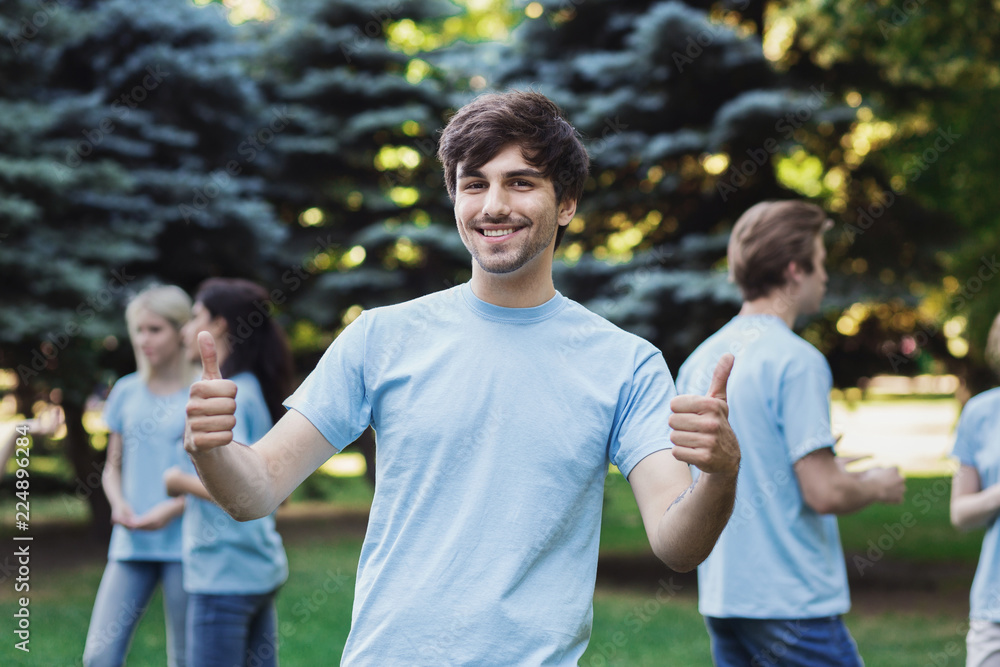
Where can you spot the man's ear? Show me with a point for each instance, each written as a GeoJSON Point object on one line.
{"type": "Point", "coordinates": [567, 209]}
{"type": "Point", "coordinates": [794, 272]}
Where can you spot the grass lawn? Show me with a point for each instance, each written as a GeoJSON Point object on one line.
{"type": "Point", "coordinates": [644, 624]}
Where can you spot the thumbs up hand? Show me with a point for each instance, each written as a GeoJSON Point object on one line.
{"type": "Point", "coordinates": [211, 408]}
{"type": "Point", "coordinates": [701, 433]}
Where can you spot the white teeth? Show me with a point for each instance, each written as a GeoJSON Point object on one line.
{"type": "Point", "coordinates": [497, 232]}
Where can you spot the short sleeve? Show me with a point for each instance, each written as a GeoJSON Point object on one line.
{"type": "Point", "coordinates": [642, 422]}
{"type": "Point", "coordinates": [334, 397]}
{"type": "Point", "coordinates": [966, 438]}
{"type": "Point", "coordinates": [805, 408]}
{"type": "Point", "coordinates": [113, 407]}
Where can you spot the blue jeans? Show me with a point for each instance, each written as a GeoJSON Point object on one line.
{"type": "Point", "coordinates": [806, 642]}
{"type": "Point", "coordinates": [122, 598]}
{"type": "Point", "coordinates": [232, 630]}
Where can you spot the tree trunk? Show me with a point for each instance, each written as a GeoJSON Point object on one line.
{"type": "Point", "coordinates": [88, 468]}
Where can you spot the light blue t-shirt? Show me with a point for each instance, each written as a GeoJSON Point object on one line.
{"type": "Point", "coordinates": [977, 444]}
{"type": "Point", "coordinates": [223, 556]}
{"type": "Point", "coordinates": [776, 558]}
{"type": "Point", "coordinates": [495, 427]}
{"type": "Point", "coordinates": [152, 431]}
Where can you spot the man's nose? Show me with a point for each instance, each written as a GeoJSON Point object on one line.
{"type": "Point", "coordinates": [496, 204]}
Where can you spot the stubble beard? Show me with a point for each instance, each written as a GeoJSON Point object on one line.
{"type": "Point", "coordinates": [511, 260]}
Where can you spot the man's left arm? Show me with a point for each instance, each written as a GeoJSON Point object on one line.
{"type": "Point", "coordinates": [683, 521]}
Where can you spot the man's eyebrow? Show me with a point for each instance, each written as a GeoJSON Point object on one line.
{"type": "Point", "coordinates": [470, 173]}
{"type": "Point", "coordinates": [533, 173]}
{"type": "Point", "coordinates": [517, 173]}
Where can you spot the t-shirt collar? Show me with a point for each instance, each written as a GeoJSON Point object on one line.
{"type": "Point", "coordinates": [513, 315]}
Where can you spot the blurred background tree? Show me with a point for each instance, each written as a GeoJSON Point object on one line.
{"type": "Point", "coordinates": [123, 161]}
{"type": "Point", "coordinates": [925, 80]}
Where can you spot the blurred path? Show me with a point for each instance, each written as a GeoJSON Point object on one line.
{"type": "Point", "coordinates": [912, 431]}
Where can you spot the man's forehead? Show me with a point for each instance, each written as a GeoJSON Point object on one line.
{"type": "Point", "coordinates": [510, 158]}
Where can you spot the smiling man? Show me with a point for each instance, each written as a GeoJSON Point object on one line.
{"type": "Point", "coordinates": [498, 406]}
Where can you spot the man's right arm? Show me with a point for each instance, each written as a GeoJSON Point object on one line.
{"type": "Point", "coordinates": [829, 489]}
{"type": "Point", "coordinates": [971, 505]}
{"type": "Point", "coordinates": [247, 482]}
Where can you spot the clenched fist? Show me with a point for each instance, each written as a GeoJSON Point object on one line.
{"type": "Point", "coordinates": [701, 434]}
{"type": "Point", "coordinates": [211, 409]}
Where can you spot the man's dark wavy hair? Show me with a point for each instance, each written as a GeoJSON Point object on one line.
{"type": "Point", "coordinates": [491, 122]}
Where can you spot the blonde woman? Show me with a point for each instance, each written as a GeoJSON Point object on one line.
{"type": "Point", "coordinates": [145, 414]}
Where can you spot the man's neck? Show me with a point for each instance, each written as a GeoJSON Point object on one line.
{"type": "Point", "coordinates": [512, 290]}
{"type": "Point", "coordinates": [778, 303]}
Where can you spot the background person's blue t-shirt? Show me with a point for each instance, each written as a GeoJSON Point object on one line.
{"type": "Point", "coordinates": [152, 431]}
{"type": "Point", "coordinates": [495, 427]}
{"type": "Point", "coordinates": [977, 444]}
{"type": "Point", "coordinates": [223, 556]}
{"type": "Point", "coordinates": [776, 558]}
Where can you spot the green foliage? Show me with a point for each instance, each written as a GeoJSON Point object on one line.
{"type": "Point", "coordinates": [359, 156]}
{"type": "Point", "coordinates": [930, 73]}
{"type": "Point", "coordinates": [118, 125]}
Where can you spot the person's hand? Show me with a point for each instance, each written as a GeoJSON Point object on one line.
{"type": "Point", "coordinates": [701, 434]}
{"type": "Point", "coordinates": [890, 483]}
{"type": "Point", "coordinates": [123, 515]}
{"type": "Point", "coordinates": [158, 517]}
{"type": "Point", "coordinates": [844, 461]}
{"type": "Point", "coordinates": [211, 408]}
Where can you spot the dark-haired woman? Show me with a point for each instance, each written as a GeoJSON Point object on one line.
{"type": "Point", "coordinates": [232, 570]}
{"type": "Point", "coordinates": [145, 417]}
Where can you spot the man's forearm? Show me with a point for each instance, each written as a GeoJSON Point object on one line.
{"type": "Point", "coordinates": [854, 492]}
{"type": "Point", "coordinates": [691, 525]}
{"type": "Point", "coordinates": [975, 510]}
{"type": "Point", "coordinates": [237, 478]}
